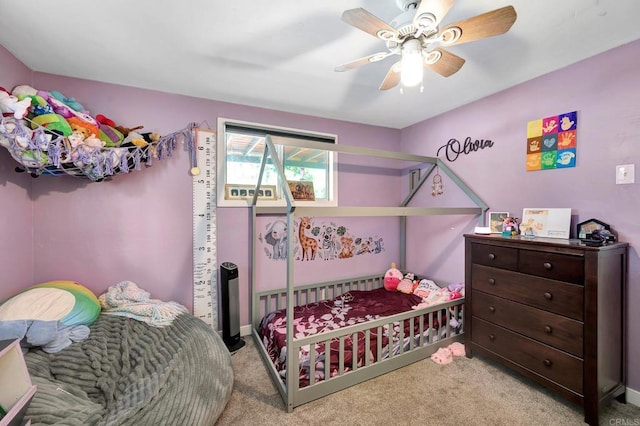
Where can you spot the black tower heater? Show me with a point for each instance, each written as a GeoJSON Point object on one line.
{"type": "Point", "coordinates": [230, 306]}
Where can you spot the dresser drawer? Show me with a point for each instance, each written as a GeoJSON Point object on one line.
{"type": "Point", "coordinates": [499, 257]}
{"type": "Point", "coordinates": [551, 363]}
{"type": "Point", "coordinates": [561, 267]}
{"type": "Point", "coordinates": [555, 330]}
{"type": "Point", "coordinates": [554, 296]}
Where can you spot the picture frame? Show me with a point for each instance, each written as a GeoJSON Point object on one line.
{"type": "Point", "coordinates": [586, 228]}
{"type": "Point", "coordinates": [496, 220]}
{"type": "Point", "coordinates": [246, 192]}
{"type": "Point", "coordinates": [546, 222]}
{"type": "Point", "coordinates": [302, 190]}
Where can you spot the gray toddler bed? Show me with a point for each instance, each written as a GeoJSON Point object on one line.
{"type": "Point", "coordinates": [129, 373]}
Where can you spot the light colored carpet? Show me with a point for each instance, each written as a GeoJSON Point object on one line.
{"type": "Point", "coordinates": [466, 392]}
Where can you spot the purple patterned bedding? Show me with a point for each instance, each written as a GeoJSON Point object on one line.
{"type": "Point", "coordinates": [353, 307]}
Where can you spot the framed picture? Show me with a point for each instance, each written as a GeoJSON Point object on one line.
{"type": "Point", "coordinates": [542, 222]}
{"type": "Point", "coordinates": [586, 228]}
{"type": "Point", "coordinates": [496, 219]}
{"type": "Point", "coordinates": [302, 190]}
{"type": "Point", "coordinates": [246, 192]}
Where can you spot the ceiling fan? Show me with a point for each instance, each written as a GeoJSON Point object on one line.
{"type": "Point", "coordinates": [416, 37]}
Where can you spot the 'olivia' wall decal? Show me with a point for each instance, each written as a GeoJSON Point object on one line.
{"type": "Point", "coordinates": [454, 148]}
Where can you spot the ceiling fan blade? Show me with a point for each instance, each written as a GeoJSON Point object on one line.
{"type": "Point", "coordinates": [445, 63]}
{"type": "Point", "coordinates": [362, 61]}
{"type": "Point", "coordinates": [488, 24]}
{"type": "Point", "coordinates": [431, 12]}
{"type": "Point", "coordinates": [392, 78]}
{"type": "Point", "coordinates": [369, 23]}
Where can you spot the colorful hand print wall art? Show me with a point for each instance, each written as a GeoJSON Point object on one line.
{"type": "Point", "coordinates": [317, 240]}
{"type": "Point", "coordinates": [551, 142]}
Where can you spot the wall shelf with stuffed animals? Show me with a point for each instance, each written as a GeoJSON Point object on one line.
{"type": "Point", "coordinates": [50, 134]}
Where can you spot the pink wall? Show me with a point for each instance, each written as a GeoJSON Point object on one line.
{"type": "Point", "coordinates": [16, 233]}
{"type": "Point", "coordinates": [605, 92]}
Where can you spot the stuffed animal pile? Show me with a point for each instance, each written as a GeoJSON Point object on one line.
{"type": "Point", "coordinates": [49, 133]}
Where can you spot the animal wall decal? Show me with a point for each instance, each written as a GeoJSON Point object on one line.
{"type": "Point", "coordinates": [326, 241]}
{"type": "Point", "coordinates": [309, 244]}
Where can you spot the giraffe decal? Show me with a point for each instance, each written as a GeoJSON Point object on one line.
{"type": "Point", "coordinates": [309, 244]}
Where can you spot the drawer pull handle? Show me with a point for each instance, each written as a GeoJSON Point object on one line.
{"type": "Point", "coordinates": [547, 362]}
{"type": "Point", "coordinates": [492, 337]}
{"type": "Point", "coordinates": [492, 309]}
{"type": "Point", "coordinates": [547, 329]}
{"type": "Point", "coordinates": [492, 281]}
{"type": "Point", "coordinates": [548, 296]}
{"type": "Point", "coordinates": [547, 265]}
{"type": "Point", "coordinates": [492, 256]}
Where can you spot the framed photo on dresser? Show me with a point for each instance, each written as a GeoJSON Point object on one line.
{"type": "Point", "coordinates": [544, 222]}
{"type": "Point", "coordinates": [496, 220]}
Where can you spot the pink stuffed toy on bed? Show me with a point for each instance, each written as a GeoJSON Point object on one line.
{"type": "Point", "coordinates": [392, 278]}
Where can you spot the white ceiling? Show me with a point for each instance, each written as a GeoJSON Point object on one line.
{"type": "Point", "coordinates": [281, 54]}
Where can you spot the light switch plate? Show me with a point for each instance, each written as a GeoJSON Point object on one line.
{"type": "Point", "coordinates": [625, 173]}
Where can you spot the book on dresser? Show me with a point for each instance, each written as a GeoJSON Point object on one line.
{"type": "Point", "coordinates": [551, 309]}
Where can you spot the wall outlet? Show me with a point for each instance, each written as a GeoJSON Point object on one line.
{"type": "Point", "coordinates": [625, 173]}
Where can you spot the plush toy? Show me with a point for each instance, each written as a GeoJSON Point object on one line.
{"type": "Point", "coordinates": [86, 127]}
{"type": "Point", "coordinates": [407, 284]}
{"type": "Point", "coordinates": [151, 137]}
{"type": "Point", "coordinates": [31, 159]}
{"type": "Point", "coordinates": [125, 130]}
{"type": "Point", "coordinates": [108, 133]}
{"type": "Point", "coordinates": [425, 287]}
{"type": "Point", "coordinates": [83, 133]}
{"type": "Point", "coordinates": [63, 109]}
{"type": "Point", "coordinates": [23, 90]}
{"type": "Point", "coordinates": [50, 315]}
{"type": "Point", "coordinates": [21, 137]}
{"type": "Point", "coordinates": [442, 356]}
{"type": "Point", "coordinates": [41, 113]}
{"type": "Point", "coordinates": [11, 105]}
{"type": "Point", "coordinates": [70, 102]}
{"type": "Point", "coordinates": [457, 349]}
{"type": "Point", "coordinates": [392, 278]}
{"type": "Point", "coordinates": [453, 295]}
{"type": "Point", "coordinates": [459, 287]}
{"type": "Point", "coordinates": [134, 139]}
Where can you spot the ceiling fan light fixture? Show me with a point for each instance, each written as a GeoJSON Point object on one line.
{"type": "Point", "coordinates": [411, 63]}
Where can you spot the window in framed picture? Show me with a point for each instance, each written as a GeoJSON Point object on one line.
{"type": "Point", "coordinates": [496, 220]}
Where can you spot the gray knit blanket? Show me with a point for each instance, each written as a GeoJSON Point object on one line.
{"type": "Point", "coordinates": [130, 373]}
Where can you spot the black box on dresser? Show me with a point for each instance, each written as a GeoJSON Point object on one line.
{"type": "Point", "coordinates": [552, 310]}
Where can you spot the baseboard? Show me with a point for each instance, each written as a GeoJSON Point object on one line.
{"type": "Point", "coordinates": [245, 330]}
{"type": "Point", "coordinates": [633, 397]}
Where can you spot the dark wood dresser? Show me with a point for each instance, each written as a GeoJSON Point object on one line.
{"type": "Point", "coordinates": [552, 310]}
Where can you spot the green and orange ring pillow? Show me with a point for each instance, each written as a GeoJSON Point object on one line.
{"type": "Point", "coordinates": [69, 302]}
